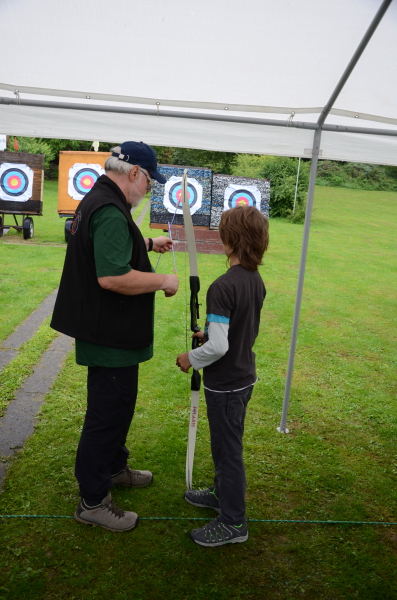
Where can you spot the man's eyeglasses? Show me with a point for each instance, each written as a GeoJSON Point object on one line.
{"type": "Point", "coordinates": [149, 180]}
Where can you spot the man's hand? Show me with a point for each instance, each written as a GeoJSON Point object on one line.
{"type": "Point", "coordinates": [162, 244]}
{"type": "Point", "coordinates": [183, 362]}
{"type": "Point", "coordinates": [170, 285]}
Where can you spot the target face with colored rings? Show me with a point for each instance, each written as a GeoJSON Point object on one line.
{"type": "Point", "coordinates": [237, 195]}
{"type": "Point", "coordinates": [243, 197]}
{"type": "Point", "coordinates": [173, 195]}
{"type": "Point", "coordinates": [16, 182]}
{"type": "Point", "coordinates": [82, 178]}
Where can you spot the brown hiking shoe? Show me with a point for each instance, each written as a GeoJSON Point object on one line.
{"type": "Point", "coordinates": [106, 515]}
{"type": "Point", "coordinates": [132, 478]}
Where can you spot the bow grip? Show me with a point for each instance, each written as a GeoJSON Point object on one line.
{"type": "Point", "coordinates": [194, 305]}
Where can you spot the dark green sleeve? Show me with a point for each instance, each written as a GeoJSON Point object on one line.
{"type": "Point", "coordinates": [112, 241]}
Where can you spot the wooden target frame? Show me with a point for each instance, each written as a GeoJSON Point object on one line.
{"type": "Point", "coordinates": [67, 158]}
{"type": "Point", "coordinates": [33, 206]}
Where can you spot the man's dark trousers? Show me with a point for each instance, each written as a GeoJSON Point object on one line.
{"type": "Point", "coordinates": [111, 397]}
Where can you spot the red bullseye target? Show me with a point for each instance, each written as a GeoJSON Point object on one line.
{"type": "Point", "coordinates": [82, 178]}
{"type": "Point", "coordinates": [241, 196]}
{"type": "Point", "coordinates": [173, 195]}
{"type": "Point", "coordinates": [16, 181]}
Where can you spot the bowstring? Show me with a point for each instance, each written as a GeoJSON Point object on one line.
{"type": "Point", "coordinates": [169, 233]}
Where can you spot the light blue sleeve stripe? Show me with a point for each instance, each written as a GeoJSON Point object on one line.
{"type": "Point", "coordinates": [217, 319]}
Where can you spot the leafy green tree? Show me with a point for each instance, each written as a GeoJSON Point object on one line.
{"type": "Point", "coordinates": [165, 154]}
{"type": "Point", "coordinates": [282, 172]}
{"type": "Point", "coordinates": [33, 146]}
{"type": "Point", "coordinates": [78, 145]}
{"type": "Point", "coordinates": [220, 162]}
{"type": "Point", "coordinates": [51, 149]}
{"type": "Point", "coordinates": [356, 175]}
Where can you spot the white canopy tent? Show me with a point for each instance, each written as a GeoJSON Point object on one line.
{"type": "Point", "coordinates": [313, 78]}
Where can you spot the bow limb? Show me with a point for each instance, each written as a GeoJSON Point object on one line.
{"type": "Point", "coordinates": [194, 315]}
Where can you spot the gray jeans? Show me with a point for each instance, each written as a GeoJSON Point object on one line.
{"type": "Point", "coordinates": [226, 415]}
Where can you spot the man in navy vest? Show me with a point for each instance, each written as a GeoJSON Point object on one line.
{"type": "Point", "coordinates": [106, 302]}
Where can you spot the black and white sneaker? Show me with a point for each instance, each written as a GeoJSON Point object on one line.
{"type": "Point", "coordinates": [203, 498]}
{"type": "Point", "coordinates": [217, 533]}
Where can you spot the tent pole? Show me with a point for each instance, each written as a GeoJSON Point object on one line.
{"type": "Point", "coordinates": [354, 60]}
{"type": "Point", "coordinates": [309, 207]}
{"type": "Point", "coordinates": [149, 112]}
{"type": "Point", "coordinates": [301, 279]}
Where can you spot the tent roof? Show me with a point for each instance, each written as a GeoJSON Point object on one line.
{"type": "Point", "coordinates": [258, 58]}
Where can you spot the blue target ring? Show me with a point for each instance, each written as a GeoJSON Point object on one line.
{"type": "Point", "coordinates": [175, 195]}
{"type": "Point", "coordinates": [84, 180]}
{"type": "Point", "coordinates": [14, 182]}
{"type": "Point", "coordinates": [241, 197]}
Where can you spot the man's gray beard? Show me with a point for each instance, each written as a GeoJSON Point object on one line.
{"type": "Point", "coordinates": [133, 202]}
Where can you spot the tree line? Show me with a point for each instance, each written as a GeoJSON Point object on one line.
{"type": "Point", "coordinates": [281, 170]}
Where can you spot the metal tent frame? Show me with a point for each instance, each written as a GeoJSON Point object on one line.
{"type": "Point", "coordinates": [318, 127]}
{"type": "Point", "coordinates": [309, 206]}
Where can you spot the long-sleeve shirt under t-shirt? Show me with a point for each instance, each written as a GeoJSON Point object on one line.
{"type": "Point", "coordinates": [234, 303]}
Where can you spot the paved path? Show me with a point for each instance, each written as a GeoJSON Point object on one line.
{"type": "Point", "coordinates": [9, 348]}
{"type": "Point", "coordinates": [18, 421]}
{"type": "Point", "coordinates": [19, 418]}
{"type": "Point", "coordinates": [139, 220]}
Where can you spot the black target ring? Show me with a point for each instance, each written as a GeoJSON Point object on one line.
{"type": "Point", "coordinates": [175, 195]}
{"type": "Point", "coordinates": [84, 180]}
{"type": "Point", "coordinates": [7, 182]}
{"type": "Point", "coordinates": [241, 197]}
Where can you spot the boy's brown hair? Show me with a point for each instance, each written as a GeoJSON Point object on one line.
{"type": "Point", "coordinates": [246, 231]}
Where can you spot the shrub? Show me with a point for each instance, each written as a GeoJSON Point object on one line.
{"type": "Point", "coordinates": [51, 148]}
{"type": "Point", "coordinates": [356, 175]}
{"type": "Point", "coordinates": [299, 215]}
{"type": "Point", "coordinates": [33, 146]}
{"type": "Point", "coordinates": [282, 173]}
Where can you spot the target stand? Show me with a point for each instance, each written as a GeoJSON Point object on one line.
{"type": "Point", "coordinates": [209, 195]}
{"type": "Point", "coordinates": [21, 190]}
{"type": "Point", "coordinates": [78, 171]}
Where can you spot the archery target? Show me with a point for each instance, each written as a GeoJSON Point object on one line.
{"type": "Point", "coordinates": [16, 182]}
{"type": "Point", "coordinates": [82, 177]}
{"type": "Point", "coordinates": [246, 195]}
{"type": "Point", "coordinates": [173, 195]}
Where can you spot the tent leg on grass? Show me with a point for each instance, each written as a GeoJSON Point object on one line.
{"type": "Point", "coordinates": [309, 208]}
{"type": "Point", "coordinates": [313, 172]}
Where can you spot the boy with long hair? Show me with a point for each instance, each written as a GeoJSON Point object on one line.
{"type": "Point", "coordinates": [234, 303]}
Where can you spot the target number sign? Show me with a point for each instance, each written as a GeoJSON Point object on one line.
{"type": "Point", "coordinates": [246, 195]}
{"type": "Point", "coordinates": [82, 177]}
{"type": "Point", "coordinates": [173, 195]}
{"type": "Point", "coordinates": [16, 182]}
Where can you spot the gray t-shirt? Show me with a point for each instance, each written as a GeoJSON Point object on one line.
{"type": "Point", "coordinates": [237, 297]}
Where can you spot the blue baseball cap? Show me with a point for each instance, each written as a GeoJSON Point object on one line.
{"type": "Point", "coordinates": [138, 153]}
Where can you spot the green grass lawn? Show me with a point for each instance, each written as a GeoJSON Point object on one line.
{"type": "Point", "coordinates": [338, 463]}
{"type": "Point", "coordinates": [49, 228]}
